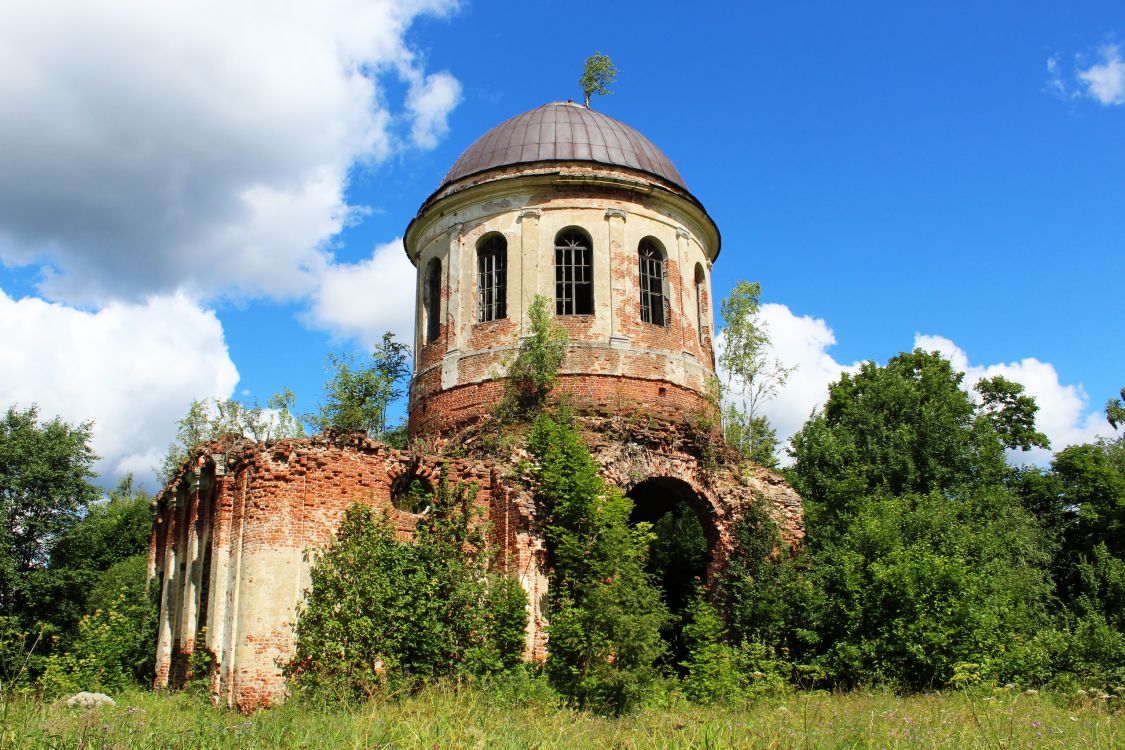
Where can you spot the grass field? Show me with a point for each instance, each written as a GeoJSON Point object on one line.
{"type": "Point", "coordinates": [464, 718]}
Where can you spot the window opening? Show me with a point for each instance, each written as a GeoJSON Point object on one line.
{"type": "Point", "coordinates": [574, 274]}
{"type": "Point", "coordinates": [700, 308]}
{"type": "Point", "coordinates": [652, 283]}
{"type": "Point", "coordinates": [492, 279]}
{"type": "Point", "coordinates": [433, 302]}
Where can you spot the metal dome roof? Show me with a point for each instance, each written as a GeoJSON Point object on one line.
{"type": "Point", "coordinates": [563, 131]}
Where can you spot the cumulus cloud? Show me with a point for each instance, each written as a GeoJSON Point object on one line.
{"type": "Point", "coordinates": [130, 368]}
{"type": "Point", "coordinates": [363, 300]}
{"type": "Point", "coordinates": [1065, 415]}
{"type": "Point", "coordinates": [1105, 81]}
{"type": "Point", "coordinates": [1102, 81]}
{"type": "Point", "coordinates": [803, 342]}
{"type": "Point", "coordinates": [429, 102]}
{"type": "Point", "coordinates": [200, 146]}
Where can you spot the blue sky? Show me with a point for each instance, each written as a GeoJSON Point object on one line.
{"type": "Point", "coordinates": [204, 199]}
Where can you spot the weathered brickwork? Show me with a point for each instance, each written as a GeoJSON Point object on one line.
{"type": "Point", "coordinates": [235, 529]}
{"type": "Point", "coordinates": [232, 533]}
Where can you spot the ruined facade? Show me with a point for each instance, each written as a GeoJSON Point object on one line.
{"type": "Point", "coordinates": [560, 202]}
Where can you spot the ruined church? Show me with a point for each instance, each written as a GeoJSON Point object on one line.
{"type": "Point", "coordinates": [560, 201]}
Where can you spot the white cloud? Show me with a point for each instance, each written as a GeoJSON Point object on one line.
{"type": "Point", "coordinates": [363, 300]}
{"type": "Point", "coordinates": [130, 368]}
{"type": "Point", "coordinates": [801, 342]}
{"type": "Point", "coordinates": [1064, 415]}
{"type": "Point", "coordinates": [1055, 82]}
{"type": "Point", "coordinates": [1106, 81]}
{"type": "Point", "coordinates": [201, 146]}
{"type": "Point", "coordinates": [430, 101]}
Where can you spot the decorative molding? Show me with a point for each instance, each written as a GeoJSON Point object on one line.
{"type": "Point", "coordinates": [615, 213]}
{"type": "Point", "coordinates": [682, 233]}
{"type": "Point", "coordinates": [529, 213]}
{"type": "Point", "coordinates": [455, 229]}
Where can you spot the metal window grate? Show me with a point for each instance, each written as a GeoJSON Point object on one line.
{"type": "Point", "coordinates": [492, 279]}
{"type": "Point", "coordinates": [652, 283]}
{"type": "Point", "coordinates": [433, 302]}
{"type": "Point", "coordinates": [574, 274]}
{"type": "Point", "coordinates": [700, 307]}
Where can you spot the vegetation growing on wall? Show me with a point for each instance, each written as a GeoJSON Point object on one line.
{"type": "Point", "coordinates": [359, 394]}
{"type": "Point", "coordinates": [605, 611]}
{"type": "Point", "coordinates": [533, 372]}
{"type": "Point", "coordinates": [386, 611]}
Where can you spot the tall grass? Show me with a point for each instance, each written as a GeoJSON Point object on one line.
{"type": "Point", "coordinates": [474, 718]}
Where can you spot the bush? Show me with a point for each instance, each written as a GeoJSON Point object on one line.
{"type": "Point", "coordinates": [116, 642]}
{"type": "Point", "coordinates": [605, 611]}
{"type": "Point", "coordinates": [386, 611]}
{"type": "Point", "coordinates": [918, 584]}
{"type": "Point", "coordinates": [713, 673]}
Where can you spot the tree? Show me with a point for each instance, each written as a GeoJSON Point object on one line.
{"type": "Point", "coordinates": [534, 371]}
{"type": "Point", "coordinates": [752, 376]}
{"type": "Point", "coordinates": [1115, 411]}
{"type": "Point", "coordinates": [904, 428]}
{"type": "Point", "coordinates": [597, 75]}
{"type": "Point", "coordinates": [605, 611]}
{"type": "Point", "coordinates": [45, 468]}
{"type": "Point", "coordinates": [215, 419]}
{"type": "Point", "coordinates": [112, 532]}
{"type": "Point", "coordinates": [359, 396]}
{"type": "Point", "coordinates": [381, 609]}
{"type": "Point", "coordinates": [1011, 413]}
{"type": "Point", "coordinates": [920, 556]}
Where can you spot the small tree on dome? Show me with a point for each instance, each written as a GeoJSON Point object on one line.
{"type": "Point", "coordinates": [598, 74]}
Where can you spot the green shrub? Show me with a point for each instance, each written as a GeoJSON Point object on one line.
{"type": "Point", "coordinates": [383, 611]}
{"type": "Point", "coordinates": [713, 673]}
{"type": "Point", "coordinates": [116, 642]}
{"type": "Point", "coordinates": [532, 374]}
{"type": "Point", "coordinates": [605, 611]}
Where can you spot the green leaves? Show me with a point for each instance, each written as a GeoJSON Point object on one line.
{"type": "Point", "coordinates": [1011, 414]}
{"type": "Point", "coordinates": [217, 419]}
{"type": "Point", "coordinates": [533, 372]}
{"type": "Point", "coordinates": [359, 395]}
{"type": "Point", "coordinates": [753, 378]}
{"type": "Point", "coordinates": [597, 75]}
{"type": "Point", "coordinates": [381, 609]}
{"type": "Point", "coordinates": [606, 613]}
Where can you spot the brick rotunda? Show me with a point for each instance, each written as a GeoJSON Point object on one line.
{"type": "Point", "coordinates": [562, 202]}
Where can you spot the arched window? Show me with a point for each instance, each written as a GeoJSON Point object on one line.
{"type": "Point", "coordinates": [492, 278]}
{"type": "Point", "coordinates": [652, 282]}
{"type": "Point", "coordinates": [574, 273]}
{"type": "Point", "coordinates": [431, 301]}
{"type": "Point", "coordinates": [700, 304]}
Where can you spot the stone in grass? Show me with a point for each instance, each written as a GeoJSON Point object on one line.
{"type": "Point", "coordinates": [89, 700]}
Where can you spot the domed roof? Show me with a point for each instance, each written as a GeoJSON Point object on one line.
{"type": "Point", "coordinates": [563, 131]}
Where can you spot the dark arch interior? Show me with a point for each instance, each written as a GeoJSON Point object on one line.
{"type": "Point", "coordinates": [679, 555]}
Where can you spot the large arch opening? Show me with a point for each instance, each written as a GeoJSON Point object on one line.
{"type": "Point", "coordinates": [680, 555]}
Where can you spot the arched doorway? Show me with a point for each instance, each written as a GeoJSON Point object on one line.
{"type": "Point", "coordinates": [681, 552]}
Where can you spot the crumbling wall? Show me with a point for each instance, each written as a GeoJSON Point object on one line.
{"type": "Point", "coordinates": [232, 535]}
{"type": "Point", "coordinates": [233, 531]}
